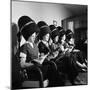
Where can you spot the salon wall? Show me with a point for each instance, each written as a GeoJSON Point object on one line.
{"type": "Point", "coordinates": [39, 11]}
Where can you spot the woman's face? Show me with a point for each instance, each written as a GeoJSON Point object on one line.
{"type": "Point", "coordinates": [63, 38]}
{"type": "Point", "coordinates": [71, 41]}
{"type": "Point", "coordinates": [56, 39]}
{"type": "Point", "coordinates": [50, 41]}
{"type": "Point", "coordinates": [46, 37]}
{"type": "Point", "coordinates": [32, 37]}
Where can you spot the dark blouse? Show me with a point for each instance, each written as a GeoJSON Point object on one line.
{"type": "Point", "coordinates": [32, 53]}
{"type": "Point", "coordinates": [43, 48]}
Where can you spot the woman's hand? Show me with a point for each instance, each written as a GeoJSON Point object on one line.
{"type": "Point", "coordinates": [55, 54]}
{"type": "Point", "coordinates": [41, 58]}
{"type": "Point", "coordinates": [23, 62]}
{"type": "Point", "coordinates": [76, 50]}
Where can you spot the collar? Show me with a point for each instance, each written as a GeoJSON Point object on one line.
{"type": "Point", "coordinates": [46, 43]}
{"type": "Point", "coordinates": [31, 44]}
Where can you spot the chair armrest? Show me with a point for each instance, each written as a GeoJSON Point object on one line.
{"type": "Point", "coordinates": [35, 73]}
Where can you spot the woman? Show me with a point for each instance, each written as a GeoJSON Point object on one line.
{"type": "Point", "coordinates": [62, 59]}
{"type": "Point", "coordinates": [28, 51]}
{"type": "Point", "coordinates": [44, 38]}
{"type": "Point", "coordinates": [75, 52]}
{"type": "Point", "coordinates": [44, 49]}
{"type": "Point", "coordinates": [54, 46]}
{"type": "Point", "coordinates": [73, 57]}
{"type": "Point", "coordinates": [55, 55]}
{"type": "Point", "coordinates": [28, 54]}
{"type": "Point", "coordinates": [65, 63]}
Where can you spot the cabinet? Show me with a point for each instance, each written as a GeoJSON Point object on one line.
{"type": "Point", "coordinates": [78, 25]}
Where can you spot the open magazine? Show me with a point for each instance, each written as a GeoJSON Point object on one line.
{"type": "Point", "coordinates": [40, 59]}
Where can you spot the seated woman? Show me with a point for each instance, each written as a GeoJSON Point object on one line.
{"type": "Point", "coordinates": [28, 31]}
{"type": "Point", "coordinates": [44, 50]}
{"type": "Point", "coordinates": [62, 61]}
{"type": "Point", "coordinates": [44, 38]}
{"type": "Point", "coordinates": [67, 63]}
{"type": "Point", "coordinates": [54, 46]}
{"type": "Point", "coordinates": [28, 54]}
{"type": "Point", "coordinates": [77, 53]}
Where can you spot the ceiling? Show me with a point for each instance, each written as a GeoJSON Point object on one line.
{"type": "Point", "coordinates": [76, 9]}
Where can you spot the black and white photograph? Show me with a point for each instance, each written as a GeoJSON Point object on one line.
{"type": "Point", "coordinates": [49, 44]}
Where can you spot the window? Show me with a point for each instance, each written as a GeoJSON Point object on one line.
{"type": "Point", "coordinates": [71, 26]}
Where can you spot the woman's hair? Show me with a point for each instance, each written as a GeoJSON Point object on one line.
{"type": "Point", "coordinates": [54, 34]}
{"type": "Point", "coordinates": [60, 28]}
{"type": "Point", "coordinates": [69, 35]}
{"type": "Point", "coordinates": [44, 29]}
{"type": "Point", "coordinates": [27, 27]}
{"type": "Point", "coordinates": [29, 30]}
{"type": "Point", "coordinates": [52, 27]}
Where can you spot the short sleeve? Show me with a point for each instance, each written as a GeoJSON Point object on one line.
{"type": "Point", "coordinates": [23, 55]}
{"type": "Point", "coordinates": [24, 49]}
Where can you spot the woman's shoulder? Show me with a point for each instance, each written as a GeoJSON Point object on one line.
{"type": "Point", "coordinates": [41, 44]}
{"type": "Point", "coordinates": [25, 46]}
{"type": "Point", "coordinates": [43, 48]}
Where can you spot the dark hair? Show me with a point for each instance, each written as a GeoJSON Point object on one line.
{"type": "Point", "coordinates": [42, 34]}
{"type": "Point", "coordinates": [52, 27]}
{"type": "Point", "coordinates": [62, 33]}
{"type": "Point", "coordinates": [69, 37]}
{"type": "Point", "coordinates": [29, 30]}
{"type": "Point", "coordinates": [27, 27]}
{"type": "Point", "coordinates": [41, 23]}
{"type": "Point", "coordinates": [60, 28]}
{"type": "Point", "coordinates": [68, 31]}
{"type": "Point", "coordinates": [54, 34]}
{"type": "Point", "coordinates": [44, 29]}
{"type": "Point", "coordinates": [23, 20]}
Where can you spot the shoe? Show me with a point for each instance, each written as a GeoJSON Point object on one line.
{"type": "Point", "coordinates": [78, 81]}
{"type": "Point", "coordinates": [84, 70]}
{"type": "Point", "coordinates": [46, 83]}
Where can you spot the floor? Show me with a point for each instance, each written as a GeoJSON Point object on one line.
{"type": "Point", "coordinates": [83, 78]}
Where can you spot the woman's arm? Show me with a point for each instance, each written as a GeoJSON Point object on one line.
{"type": "Point", "coordinates": [69, 48]}
{"type": "Point", "coordinates": [41, 59]}
{"type": "Point", "coordinates": [81, 65]}
{"type": "Point", "coordinates": [63, 49]}
{"type": "Point", "coordinates": [23, 62]}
